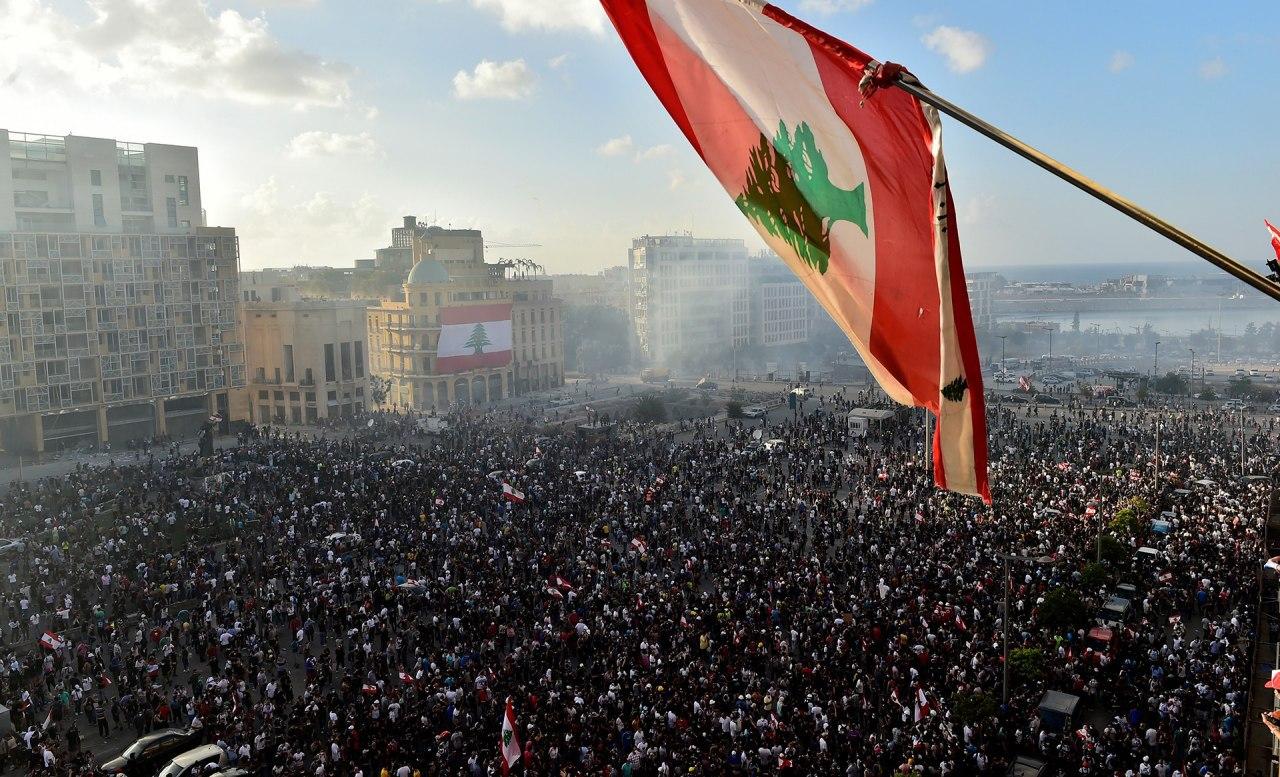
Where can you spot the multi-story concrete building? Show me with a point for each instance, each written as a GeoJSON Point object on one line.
{"type": "Point", "coordinates": [119, 317]}
{"type": "Point", "coordinates": [688, 296]}
{"type": "Point", "coordinates": [982, 287]}
{"type": "Point", "coordinates": [782, 309]}
{"type": "Point", "coordinates": [306, 359]}
{"type": "Point", "coordinates": [450, 274]}
{"type": "Point", "coordinates": [119, 307]}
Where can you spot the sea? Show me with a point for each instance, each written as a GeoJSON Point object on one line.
{"type": "Point", "coordinates": [1174, 322]}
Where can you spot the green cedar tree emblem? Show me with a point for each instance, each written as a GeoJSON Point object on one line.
{"type": "Point", "coordinates": [479, 339]}
{"type": "Point", "coordinates": [790, 195]}
{"type": "Point", "coordinates": [954, 391]}
{"type": "Point", "coordinates": [506, 737]}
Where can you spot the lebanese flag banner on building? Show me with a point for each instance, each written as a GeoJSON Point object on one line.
{"type": "Point", "coordinates": [508, 743]}
{"type": "Point", "coordinates": [850, 191]}
{"type": "Point", "coordinates": [474, 336]}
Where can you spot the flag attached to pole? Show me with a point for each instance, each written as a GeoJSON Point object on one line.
{"type": "Point", "coordinates": [1275, 237]}
{"type": "Point", "coordinates": [851, 192]}
{"type": "Point", "coordinates": [508, 743]}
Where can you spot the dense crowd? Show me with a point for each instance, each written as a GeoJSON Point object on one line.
{"type": "Point", "coordinates": [663, 602]}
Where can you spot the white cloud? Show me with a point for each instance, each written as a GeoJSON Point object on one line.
{"type": "Point", "coordinates": [965, 50]}
{"type": "Point", "coordinates": [1120, 62]}
{"type": "Point", "coordinates": [1213, 69]}
{"type": "Point", "coordinates": [614, 146]}
{"type": "Point", "coordinates": [164, 48]}
{"type": "Point", "coordinates": [495, 80]}
{"type": "Point", "coordinates": [654, 152]}
{"type": "Point", "coordinates": [317, 143]}
{"type": "Point", "coordinates": [675, 179]}
{"type": "Point", "coordinates": [520, 15]}
{"type": "Point", "coordinates": [976, 209]}
{"type": "Point", "coordinates": [827, 7]}
{"type": "Point", "coordinates": [557, 62]}
{"type": "Point", "coordinates": [282, 227]}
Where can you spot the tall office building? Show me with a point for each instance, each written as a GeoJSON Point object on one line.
{"type": "Point", "coordinates": [689, 296]}
{"type": "Point", "coordinates": [782, 309]}
{"type": "Point", "coordinates": [119, 305]}
{"type": "Point", "coordinates": [982, 288]}
{"type": "Point", "coordinates": [451, 283]}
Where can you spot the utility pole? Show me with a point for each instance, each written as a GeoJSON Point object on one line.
{"type": "Point", "coordinates": [1004, 634]}
{"type": "Point", "coordinates": [1003, 358]}
{"type": "Point", "coordinates": [1158, 420]}
{"type": "Point", "coordinates": [1155, 365]}
{"type": "Point", "coordinates": [1192, 381]}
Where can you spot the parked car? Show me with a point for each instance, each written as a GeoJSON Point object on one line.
{"type": "Point", "coordinates": [1233, 405]}
{"type": "Point", "coordinates": [771, 445]}
{"type": "Point", "coordinates": [11, 547]}
{"type": "Point", "coordinates": [754, 411]}
{"type": "Point", "coordinates": [195, 762]}
{"type": "Point", "coordinates": [145, 756]}
{"type": "Point", "coordinates": [1048, 399]}
{"type": "Point", "coordinates": [1274, 407]}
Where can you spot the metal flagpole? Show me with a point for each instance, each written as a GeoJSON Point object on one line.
{"type": "Point", "coordinates": [908, 84]}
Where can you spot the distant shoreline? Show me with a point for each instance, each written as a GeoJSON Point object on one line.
{"type": "Point", "coordinates": [1034, 305]}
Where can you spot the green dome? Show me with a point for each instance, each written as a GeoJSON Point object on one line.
{"type": "Point", "coordinates": [428, 271]}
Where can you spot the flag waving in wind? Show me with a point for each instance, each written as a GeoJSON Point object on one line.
{"type": "Point", "coordinates": [508, 744]}
{"type": "Point", "coordinates": [1275, 236]}
{"type": "Point", "coordinates": [850, 191]}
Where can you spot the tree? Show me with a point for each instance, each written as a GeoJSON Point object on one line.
{"type": "Point", "coordinates": [973, 706]}
{"type": "Point", "coordinates": [1026, 664]}
{"type": "Point", "coordinates": [1094, 575]}
{"type": "Point", "coordinates": [1062, 608]}
{"type": "Point", "coordinates": [378, 387]}
{"type": "Point", "coordinates": [479, 339]}
{"type": "Point", "coordinates": [650, 409]}
{"type": "Point", "coordinates": [1112, 549]}
{"type": "Point", "coordinates": [1075, 322]}
{"type": "Point", "coordinates": [734, 409]}
{"type": "Point", "coordinates": [1170, 383]}
{"type": "Point", "coordinates": [1125, 522]}
{"type": "Point", "coordinates": [1144, 393]}
{"type": "Point", "coordinates": [1208, 394]}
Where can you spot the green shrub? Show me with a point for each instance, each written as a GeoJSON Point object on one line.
{"type": "Point", "coordinates": [1062, 609]}
{"type": "Point", "coordinates": [1094, 574]}
{"type": "Point", "coordinates": [973, 706]}
{"type": "Point", "coordinates": [1026, 664]}
{"type": "Point", "coordinates": [734, 409]}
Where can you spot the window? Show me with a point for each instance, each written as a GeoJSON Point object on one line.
{"type": "Point", "coordinates": [288, 363]}
{"type": "Point", "coordinates": [330, 371]}
{"type": "Point", "coordinates": [183, 197]}
{"type": "Point", "coordinates": [359, 354]}
{"type": "Point", "coordinates": [95, 177]}
{"type": "Point", "coordinates": [171, 212]}
{"type": "Point", "coordinates": [99, 214]}
{"type": "Point", "coordinates": [346, 361]}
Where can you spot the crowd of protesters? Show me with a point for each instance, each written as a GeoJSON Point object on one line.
{"type": "Point", "coordinates": [661, 602]}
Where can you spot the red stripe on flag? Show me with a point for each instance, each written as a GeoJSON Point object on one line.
{"type": "Point", "coordinates": [631, 19]}
{"type": "Point", "coordinates": [450, 364]}
{"type": "Point", "coordinates": [475, 314]}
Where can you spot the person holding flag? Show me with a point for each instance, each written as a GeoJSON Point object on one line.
{"type": "Point", "coordinates": [508, 742]}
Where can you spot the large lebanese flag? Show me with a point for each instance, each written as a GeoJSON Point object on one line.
{"type": "Point", "coordinates": [474, 336]}
{"type": "Point", "coordinates": [1275, 236]}
{"type": "Point", "coordinates": [852, 194]}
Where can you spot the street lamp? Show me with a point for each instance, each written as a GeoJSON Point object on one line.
{"type": "Point", "coordinates": [1004, 619]}
{"type": "Point", "coordinates": [1002, 356]}
{"type": "Point", "coordinates": [1155, 365]}
{"type": "Point", "coordinates": [1192, 380]}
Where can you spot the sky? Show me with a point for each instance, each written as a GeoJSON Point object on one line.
{"type": "Point", "coordinates": [321, 123]}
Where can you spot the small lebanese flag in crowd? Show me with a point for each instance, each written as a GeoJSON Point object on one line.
{"type": "Point", "coordinates": [848, 185]}
{"type": "Point", "coordinates": [511, 493]}
{"type": "Point", "coordinates": [922, 705]}
{"type": "Point", "coordinates": [439, 502]}
{"type": "Point", "coordinates": [554, 592]}
{"type": "Point", "coordinates": [406, 678]}
{"type": "Point", "coordinates": [369, 690]}
{"type": "Point", "coordinates": [51, 641]}
{"type": "Point", "coordinates": [1275, 236]}
{"type": "Point", "coordinates": [474, 336]}
{"type": "Point", "coordinates": [561, 583]}
{"type": "Point", "coordinates": [1024, 383]}
{"type": "Point", "coordinates": [508, 744]}
{"type": "Point", "coordinates": [639, 545]}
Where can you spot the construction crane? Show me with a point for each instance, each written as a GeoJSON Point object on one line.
{"type": "Point", "coordinates": [513, 245]}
